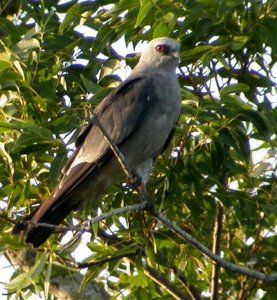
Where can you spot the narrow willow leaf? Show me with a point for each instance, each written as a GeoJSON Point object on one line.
{"type": "Point", "coordinates": [239, 42]}
{"type": "Point", "coordinates": [234, 88]}
{"type": "Point", "coordinates": [6, 157]}
{"type": "Point", "coordinates": [71, 16]}
{"type": "Point", "coordinates": [90, 85]}
{"type": "Point", "coordinates": [163, 29]}
{"type": "Point", "coordinates": [48, 277]}
{"type": "Point", "coordinates": [25, 279]}
{"type": "Point", "coordinates": [27, 44]}
{"type": "Point", "coordinates": [145, 8]}
{"type": "Point", "coordinates": [193, 55]}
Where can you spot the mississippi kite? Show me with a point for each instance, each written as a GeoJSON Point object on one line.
{"type": "Point", "coordinates": [139, 117]}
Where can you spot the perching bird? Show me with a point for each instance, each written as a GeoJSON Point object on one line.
{"type": "Point", "coordinates": [139, 116]}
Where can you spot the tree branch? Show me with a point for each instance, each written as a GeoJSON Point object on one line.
{"type": "Point", "coordinates": [216, 250]}
{"type": "Point", "coordinates": [87, 228]}
{"type": "Point", "coordinates": [221, 262]}
{"type": "Point", "coordinates": [164, 283]}
{"type": "Point", "coordinates": [108, 259]}
{"type": "Point", "coordinates": [217, 235]}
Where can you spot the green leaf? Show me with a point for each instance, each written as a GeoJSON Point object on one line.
{"type": "Point", "coordinates": [56, 168]}
{"type": "Point", "coordinates": [145, 8]}
{"type": "Point", "coordinates": [30, 126]}
{"type": "Point", "coordinates": [95, 228]}
{"type": "Point", "coordinates": [234, 103]}
{"type": "Point", "coordinates": [217, 155]}
{"type": "Point", "coordinates": [7, 158]}
{"type": "Point", "coordinates": [27, 44]}
{"type": "Point", "coordinates": [102, 40]}
{"type": "Point", "coordinates": [241, 143]}
{"type": "Point", "coordinates": [123, 5]}
{"type": "Point", "coordinates": [100, 95]}
{"type": "Point", "coordinates": [270, 28]}
{"type": "Point", "coordinates": [239, 42]}
{"type": "Point", "coordinates": [234, 88]}
{"type": "Point", "coordinates": [109, 67]}
{"type": "Point", "coordinates": [90, 85]}
{"type": "Point", "coordinates": [4, 65]}
{"type": "Point", "coordinates": [257, 119]}
{"type": "Point", "coordinates": [223, 61]}
{"type": "Point", "coordinates": [71, 17]}
{"type": "Point", "coordinates": [48, 277]}
{"type": "Point", "coordinates": [163, 29]}
{"type": "Point", "coordinates": [207, 58]}
{"type": "Point", "coordinates": [25, 279]}
{"type": "Point", "coordinates": [190, 56]}
{"type": "Point", "coordinates": [110, 81]}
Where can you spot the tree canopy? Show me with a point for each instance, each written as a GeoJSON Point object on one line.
{"type": "Point", "coordinates": [212, 233]}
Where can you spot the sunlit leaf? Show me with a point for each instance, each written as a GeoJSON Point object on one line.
{"type": "Point", "coordinates": [27, 278]}
{"type": "Point", "coordinates": [145, 8]}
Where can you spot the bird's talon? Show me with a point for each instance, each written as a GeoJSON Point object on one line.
{"type": "Point", "coordinates": [135, 181]}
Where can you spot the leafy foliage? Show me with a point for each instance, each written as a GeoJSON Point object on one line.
{"type": "Point", "coordinates": [224, 151]}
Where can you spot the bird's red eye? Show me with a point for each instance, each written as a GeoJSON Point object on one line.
{"type": "Point", "coordinates": [162, 49]}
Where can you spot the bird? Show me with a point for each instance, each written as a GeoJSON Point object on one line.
{"type": "Point", "coordinates": [139, 117]}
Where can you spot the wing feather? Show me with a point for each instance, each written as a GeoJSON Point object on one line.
{"type": "Point", "coordinates": [121, 114]}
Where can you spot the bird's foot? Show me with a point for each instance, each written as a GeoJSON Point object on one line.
{"type": "Point", "coordinates": [145, 197]}
{"type": "Point", "coordinates": [136, 183]}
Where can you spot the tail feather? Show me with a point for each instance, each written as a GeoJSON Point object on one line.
{"type": "Point", "coordinates": [22, 226]}
{"type": "Point", "coordinates": [37, 235]}
{"type": "Point", "coordinates": [63, 200]}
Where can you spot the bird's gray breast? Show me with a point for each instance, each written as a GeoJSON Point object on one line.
{"type": "Point", "coordinates": [159, 120]}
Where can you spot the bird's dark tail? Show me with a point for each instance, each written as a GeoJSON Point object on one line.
{"type": "Point", "coordinates": [76, 188]}
{"type": "Point", "coordinates": [37, 235]}
{"type": "Point", "coordinates": [23, 224]}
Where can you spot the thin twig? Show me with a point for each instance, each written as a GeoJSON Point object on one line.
{"type": "Point", "coordinates": [111, 258]}
{"type": "Point", "coordinates": [191, 290]}
{"type": "Point", "coordinates": [217, 235]}
{"type": "Point", "coordinates": [216, 250]}
{"type": "Point", "coordinates": [222, 262]}
{"type": "Point", "coordinates": [57, 228]}
{"type": "Point", "coordinates": [163, 282]}
{"type": "Point", "coordinates": [131, 175]}
{"type": "Point", "coordinates": [118, 211]}
{"type": "Point", "coordinates": [2, 8]}
{"type": "Point", "coordinates": [86, 228]}
{"type": "Point", "coordinates": [6, 219]}
{"type": "Point", "coordinates": [120, 157]}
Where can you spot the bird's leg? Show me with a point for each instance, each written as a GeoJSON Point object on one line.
{"type": "Point", "coordinates": [134, 180]}
{"type": "Point", "coordinates": [136, 183]}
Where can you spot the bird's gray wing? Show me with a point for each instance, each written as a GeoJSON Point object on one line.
{"type": "Point", "coordinates": [121, 113]}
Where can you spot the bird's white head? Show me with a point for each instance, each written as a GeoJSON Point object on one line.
{"type": "Point", "coordinates": [162, 52]}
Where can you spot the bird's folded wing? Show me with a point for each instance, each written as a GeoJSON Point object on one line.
{"type": "Point", "coordinates": [121, 113]}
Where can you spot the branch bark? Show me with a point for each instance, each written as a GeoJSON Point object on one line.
{"type": "Point", "coordinates": [87, 228]}
{"type": "Point", "coordinates": [216, 250]}
{"type": "Point", "coordinates": [220, 261]}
